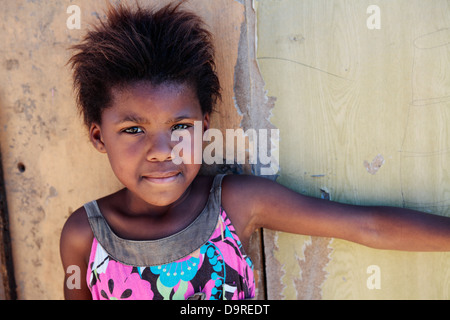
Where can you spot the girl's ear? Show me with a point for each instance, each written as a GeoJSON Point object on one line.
{"type": "Point", "coordinates": [95, 135]}
{"type": "Point", "coordinates": [205, 122]}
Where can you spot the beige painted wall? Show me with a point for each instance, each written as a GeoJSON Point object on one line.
{"type": "Point", "coordinates": [364, 119]}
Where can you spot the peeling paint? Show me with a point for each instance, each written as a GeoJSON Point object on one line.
{"type": "Point", "coordinates": [325, 193]}
{"type": "Point", "coordinates": [296, 271]}
{"type": "Point", "coordinates": [375, 165]}
{"type": "Point", "coordinates": [313, 266]}
{"type": "Point", "coordinates": [251, 98]}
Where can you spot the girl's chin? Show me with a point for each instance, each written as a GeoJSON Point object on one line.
{"type": "Point", "coordinates": [163, 198]}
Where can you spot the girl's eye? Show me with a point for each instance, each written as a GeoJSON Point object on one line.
{"type": "Point", "coordinates": [181, 127]}
{"type": "Point", "coordinates": [133, 130]}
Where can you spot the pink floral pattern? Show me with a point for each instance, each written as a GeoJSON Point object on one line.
{"type": "Point", "coordinates": [220, 269]}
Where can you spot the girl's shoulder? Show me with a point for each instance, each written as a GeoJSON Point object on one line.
{"type": "Point", "coordinates": [78, 223]}
{"type": "Point", "coordinates": [245, 188]}
{"type": "Point", "coordinates": [75, 247]}
{"type": "Point", "coordinates": [241, 195]}
{"type": "Point", "coordinates": [76, 235]}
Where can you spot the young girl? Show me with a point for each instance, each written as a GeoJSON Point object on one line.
{"type": "Point", "coordinates": [172, 233]}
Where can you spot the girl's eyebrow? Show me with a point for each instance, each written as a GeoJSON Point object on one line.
{"type": "Point", "coordinates": [182, 117]}
{"type": "Point", "coordinates": [142, 120]}
{"type": "Point", "coordinates": [133, 118]}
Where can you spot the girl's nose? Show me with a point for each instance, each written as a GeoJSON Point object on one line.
{"type": "Point", "coordinates": [159, 148]}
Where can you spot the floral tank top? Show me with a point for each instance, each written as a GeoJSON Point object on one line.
{"type": "Point", "coordinates": [206, 260]}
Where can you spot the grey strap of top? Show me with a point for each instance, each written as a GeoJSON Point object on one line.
{"type": "Point", "coordinates": [161, 251]}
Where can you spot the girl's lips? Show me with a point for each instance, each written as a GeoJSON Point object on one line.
{"type": "Point", "coordinates": [162, 178]}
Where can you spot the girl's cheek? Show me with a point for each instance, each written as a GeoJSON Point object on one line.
{"type": "Point", "coordinates": [185, 150]}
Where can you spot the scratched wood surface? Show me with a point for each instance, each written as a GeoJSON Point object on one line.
{"type": "Point", "coordinates": [364, 119]}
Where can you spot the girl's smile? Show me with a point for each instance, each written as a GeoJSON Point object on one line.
{"type": "Point", "coordinates": [136, 134]}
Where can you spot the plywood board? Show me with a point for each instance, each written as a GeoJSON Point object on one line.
{"type": "Point", "coordinates": [363, 114]}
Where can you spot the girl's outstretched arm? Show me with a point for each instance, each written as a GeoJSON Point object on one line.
{"type": "Point", "coordinates": [270, 205]}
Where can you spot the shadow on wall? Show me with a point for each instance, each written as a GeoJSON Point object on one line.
{"type": "Point", "coordinates": [7, 280]}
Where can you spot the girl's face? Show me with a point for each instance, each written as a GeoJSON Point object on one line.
{"type": "Point", "coordinates": [136, 134]}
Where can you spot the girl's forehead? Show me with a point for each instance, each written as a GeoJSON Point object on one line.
{"type": "Point", "coordinates": [161, 98]}
{"type": "Point", "coordinates": [147, 89]}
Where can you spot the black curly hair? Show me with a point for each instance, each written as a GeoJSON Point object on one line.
{"type": "Point", "coordinates": [136, 44]}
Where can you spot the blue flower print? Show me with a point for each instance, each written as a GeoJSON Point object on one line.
{"type": "Point", "coordinates": [170, 274]}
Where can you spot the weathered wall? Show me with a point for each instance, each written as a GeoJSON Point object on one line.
{"type": "Point", "coordinates": [363, 116]}
{"type": "Point", "coordinates": [50, 167]}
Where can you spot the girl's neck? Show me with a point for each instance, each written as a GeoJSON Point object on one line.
{"type": "Point", "coordinates": [135, 206]}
